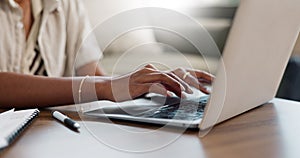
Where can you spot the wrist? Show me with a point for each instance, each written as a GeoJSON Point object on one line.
{"type": "Point", "coordinates": [103, 89]}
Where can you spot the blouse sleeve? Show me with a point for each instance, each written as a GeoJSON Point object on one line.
{"type": "Point", "coordinates": [81, 47]}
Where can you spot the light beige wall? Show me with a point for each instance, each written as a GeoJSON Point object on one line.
{"type": "Point", "coordinates": [100, 11]}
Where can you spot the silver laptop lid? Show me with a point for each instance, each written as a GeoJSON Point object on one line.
{"type": "Point", "coordinates": [254, 59]}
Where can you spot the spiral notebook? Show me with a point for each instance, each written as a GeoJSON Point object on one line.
{"type": "Point", "coordinates": [12, 123]}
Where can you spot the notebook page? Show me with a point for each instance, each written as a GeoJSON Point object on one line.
{"type": "Point", "coordinates": [11, 121]}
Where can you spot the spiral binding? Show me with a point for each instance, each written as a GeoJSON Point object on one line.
{"type": "Point", "coordinates": [22, 127]}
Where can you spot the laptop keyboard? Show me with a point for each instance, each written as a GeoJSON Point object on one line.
{"type": "Point", "coordinates": [180, 109]}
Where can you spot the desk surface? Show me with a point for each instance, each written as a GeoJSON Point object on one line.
{"type": "Point", "coordinates": [271, 130]}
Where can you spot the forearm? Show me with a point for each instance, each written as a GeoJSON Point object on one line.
{"type": "Point", "coordinates": [33, 91]}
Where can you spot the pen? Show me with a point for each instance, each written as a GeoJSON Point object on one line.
{"type": "Point", "coordinates": [66, 120]}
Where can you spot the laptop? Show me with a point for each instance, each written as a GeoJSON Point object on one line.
{"type": "Point", "coordinates": [254, 59]}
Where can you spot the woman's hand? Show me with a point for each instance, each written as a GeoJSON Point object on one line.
{"type": "Point", "coordinates": [145, 80]}
{"type": "Point", "coordinates": [196, 78]}
{"type": "Point", "coordinates": [150, 80]}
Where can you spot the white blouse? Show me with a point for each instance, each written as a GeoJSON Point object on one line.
{"type": "Point", "coordinates": [65, 38]}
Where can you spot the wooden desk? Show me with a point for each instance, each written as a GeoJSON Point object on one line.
{"type": "Point", "coordinates": [269, 131]}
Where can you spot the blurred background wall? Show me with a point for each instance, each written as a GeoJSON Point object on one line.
{"type": "Point", "coordinates": [129, 51]}
{"type": "Point", "coordinates": [215, 15]}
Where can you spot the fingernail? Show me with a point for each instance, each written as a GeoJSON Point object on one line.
{"type": "Point", "coordinates": [190, 91]}
{"type": "Point", "coordinates": [182, 88]}
{"type": "Point", "coordinates": [170, 94]}
{"type": "Point", "coordinates": [183, 95]}
{"type": "Point", "coordinates": [208, 89]}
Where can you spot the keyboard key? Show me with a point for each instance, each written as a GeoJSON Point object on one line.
{"type": "Point", "coordinates": [175, 108]}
